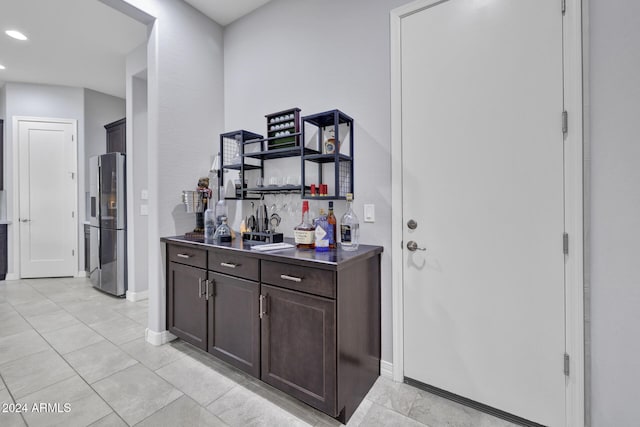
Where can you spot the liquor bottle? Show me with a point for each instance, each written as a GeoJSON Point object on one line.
{"type": "Point", "coordinates": [223, 232]}
{"type": "Point", "coordinates": [304, 233]}
{"type": "Point", "coordinates": [331, 219]}
{"type": "Point", "coordinates": [349, 227]}
{"type": "Point", "coordinates": [322, 232]}
{"type": "Point", "coordinates": [209, 225]}
{"type": "Point", "coordinates": [220, 211]}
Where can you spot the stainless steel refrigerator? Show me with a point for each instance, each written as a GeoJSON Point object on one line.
{"type": "Point", "coordinates": [107, 223]}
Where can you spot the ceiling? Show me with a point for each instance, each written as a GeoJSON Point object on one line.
{"type": "Point", "coordinates": [225, 12]}
{"type": "Point", "coordinates": [83, 43]}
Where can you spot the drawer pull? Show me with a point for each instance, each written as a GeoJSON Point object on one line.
{"type": "Point", "coordinates": [228, 265]}
{"type": "Point", "coordinates": [183, 256]}
{"type": "Point", "coordinates": [292, 278]}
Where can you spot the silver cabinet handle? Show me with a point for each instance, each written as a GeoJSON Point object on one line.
{"type": "Point", "coordinates": [292, 278]}
{"type": "Point", "coordinates": [206, 289]}
{"type": "Point", "coordinates": [25, 220]}
{"type": "Point", "coordinates": [413, 246]}
{"type": "Point", "coordinates": [199, 287]}
{"type": "Point", "coordinates": [263, 311]}
{"type": "Point", "coordinates": [228, 265]}
{"type": "Point", "coordinates": [183, 256]}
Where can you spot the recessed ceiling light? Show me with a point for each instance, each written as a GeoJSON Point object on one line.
{"type": "Point", "coordinates": [16, 34]}
{"type": "Point", "coordinates": [2, 67]}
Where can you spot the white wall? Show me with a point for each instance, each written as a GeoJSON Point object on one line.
{"type": "Point", "coordinates": [321, 55]}
{"type": "Point", "coordinates": [614, 86]}
{"type": "Point", "coordinates": [34, 100]}
{"type": "Point", "coordinates": [137, 172]}
{"type": "Point", "coordinates": [99, 109]}
{"type": "Point", "coordinates": [185, 113]}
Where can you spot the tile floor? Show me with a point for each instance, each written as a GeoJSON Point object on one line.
{"type": "Point", "coordinates": [61, 341]}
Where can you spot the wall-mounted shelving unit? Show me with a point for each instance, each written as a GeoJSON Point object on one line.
{"type": "Point", "coordinates": [232, 158]}
{"type": "Point", "coordinates": [331, 156]}
{"type": "Point", "coordinates": [245, 151]}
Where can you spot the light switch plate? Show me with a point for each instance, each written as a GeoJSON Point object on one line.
{"type": "Point", "coordinates": [369, 213]}
{"type": "Point", "coordinates": [144, 195]}
{"type": "Point", "coordinates": [144, 210]}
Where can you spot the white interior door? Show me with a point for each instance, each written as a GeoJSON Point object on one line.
{"type": "Point", "coordinates": [482, 154]}
{"type": "Point", "coordinates": [47, 156]}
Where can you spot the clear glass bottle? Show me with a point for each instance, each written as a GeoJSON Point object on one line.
{"type": "Point", "coordinates": [221, 211]}
{"type": "Point", "coordinates": [223, 232]}
{"type": "Point", "coordinates": [331, 219]}
{"type": "Point", "coordinates": [209, 225]}
{"type": "Point", "coordinates": [349, 227]}
{"type": "Point", "coordinates": [304, 233]}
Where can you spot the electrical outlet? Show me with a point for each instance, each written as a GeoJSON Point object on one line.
{"type": "Point", "coordinates": [369, 213]}
{"type": "Point", "coordinates": [144, 195]}
{"type": "Point", "coordinates": [144, 210]}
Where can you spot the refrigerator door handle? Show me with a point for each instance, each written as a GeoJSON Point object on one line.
{"type": "Point", "coordinates": [99, 251]}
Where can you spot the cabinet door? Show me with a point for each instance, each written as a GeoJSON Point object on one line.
{"type": "Point", "coordinates": [186, 304]}
{"type": "Point", "coordinates": [234, 322]}
{"type": "Point", "coordinates": [117, 137]}
{"type": "Point", "coordinates": [299, 346]}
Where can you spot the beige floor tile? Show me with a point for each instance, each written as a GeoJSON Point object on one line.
{"type": "Point", "coordinates": [12, 323]}
{"type": "Point", "coordinates": [52, 321]}
{"type": "Point", "coordinates": [12, 418]}
{"type": "Point", "coordinates": [111, 420]}
{"type": "Point", "coordinates": [98, 361]}
{"type": "Point", "coordinates": [38, 308]}
{"type": "Point", "coordinates": [72, 338]}
{"type": "Point", "coordinates": [153, 357]}
{"type": "Point", "coordinates": [20, 345]}
{"type": "Point", "coordinates": [136, 392]}
{"type": "Point", "coordinates": [242, 407]}
{"type": "Point", "coordinates": [84, 406]}
{"type": "Point", "coordinates": [119, 330]}
{"type": "Point", "coordinates": [198, 381]}
{"type": "Point", "coordinates": [183, 412]}
{"type": "Point", "coordinates": [34, 372]}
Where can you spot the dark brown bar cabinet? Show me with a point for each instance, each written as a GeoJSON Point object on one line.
{"type": "Point", "coordinates": [306, 323]}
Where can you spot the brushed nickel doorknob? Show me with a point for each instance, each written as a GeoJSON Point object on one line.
{"type": "Point", "coordinates": [413, 246]}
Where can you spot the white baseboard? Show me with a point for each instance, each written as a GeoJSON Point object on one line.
{"type": "Point", "coordinates": [386, 369]}
{"type": "Point", "coordinates": [137, 296]}
{"type": "Point", "coordinates": [81, 274]}
{"type": "Point", "coordinates": [158, 338]}
{"type": "Point", "coordinates": [12, 276]}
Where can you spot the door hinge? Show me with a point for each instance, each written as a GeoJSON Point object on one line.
{"type": "Point", "coordinates": [565, 122]}
{"type": "Point", "coordinates": [566, 364]}
{"type": "Point", "coordinates": [73, 252]}
{"type": "Point", "coordinates": [565, 243]}
{"type": "Point", "coordinates": [72, 138]}
{"type": "Point", "coordinates": [73, 214]}
{"type": "Point", "coordinates": [563, 5]}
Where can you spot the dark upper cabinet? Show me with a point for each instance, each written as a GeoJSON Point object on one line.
{"type": "Point", "coordinates": [186, 303]}
{"type": "Point", "coordinates": [1, 154]}
{"type": "Point", "coordinates": [234, 325]}
{"type": "Point", "coordinates": [299, 346]}
{"type": "Point", "coordinates": [117, 136]}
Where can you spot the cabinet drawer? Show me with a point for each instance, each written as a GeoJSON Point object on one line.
{"type": "Point", "coordinates": [305, 279]}
{"type": "Point", "coordinates": [186, 255]}
{"type": "Point", "coordinates": [234, 264]}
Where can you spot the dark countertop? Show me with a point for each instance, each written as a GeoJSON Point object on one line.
{"type": "Point", "coordinates": [334, 259]}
